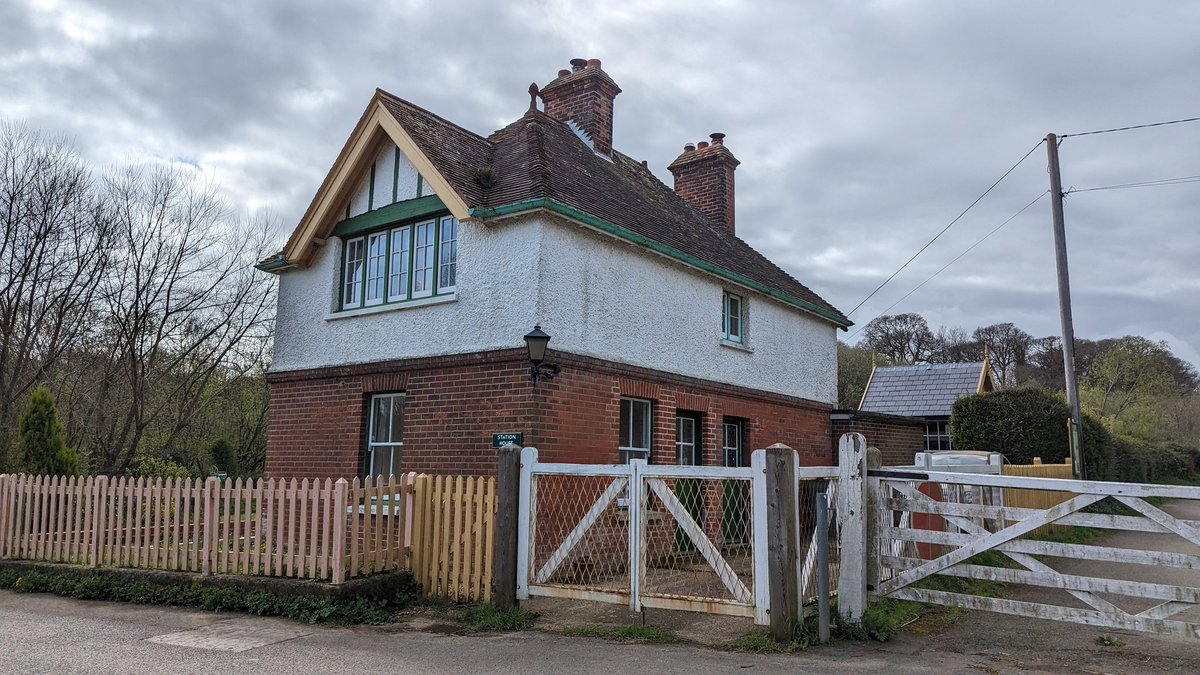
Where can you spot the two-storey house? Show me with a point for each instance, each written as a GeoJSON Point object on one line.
{"type": "Point", "coordinates": [430, 251]}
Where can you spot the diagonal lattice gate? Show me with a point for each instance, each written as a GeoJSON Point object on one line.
{"type": "Point", "coordinates": [674, 537]}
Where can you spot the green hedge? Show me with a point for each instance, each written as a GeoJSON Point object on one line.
{"type": "Point", "coordinates": [96, 585]}
{"type": "Point", "coordinates": [1019, 423]}
{"type": "Point", "coordinates": [1025, 423]}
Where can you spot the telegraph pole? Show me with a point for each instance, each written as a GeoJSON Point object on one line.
{"type": "Point", "coordinates": [1064, 307]}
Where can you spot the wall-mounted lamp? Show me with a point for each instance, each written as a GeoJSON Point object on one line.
{"type": "Point", "coordinates": [536, 342]}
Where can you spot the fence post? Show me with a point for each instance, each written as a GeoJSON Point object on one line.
{"type": "Point", "coordinates": [211, 524]}
{"type": "Point", "coordinates": [782, 540]}
{"type": "Point", "coordinates": [526, 520]}
{"type": "Point", "coordinates": [871, 516]}
{"type": "Point", "coordinates": [339, 532]}
{"type": "Point", "coordinates": [98, 516]}
{"type": "Point", "coordinates": [851, 515]}
{"type": "Point", "coordinates": [822, 537]}
{"type": "Point", "coordinates": [8, 511]}
{"type": "Point", "coordinates": [508, 497]}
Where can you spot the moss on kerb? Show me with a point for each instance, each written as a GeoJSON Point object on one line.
{"type": "Point", "coordinates": [554, 206]}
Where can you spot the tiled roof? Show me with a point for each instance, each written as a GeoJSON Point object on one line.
{"type": "Point", "coordinates": [921, 391]}
{"type": "Point", "coordinates": [538, 157]}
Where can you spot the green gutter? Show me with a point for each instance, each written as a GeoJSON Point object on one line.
{"type": "Point", "coordinates": [554, 206]}
{"type": "Point", "coordinates": [272, 265]}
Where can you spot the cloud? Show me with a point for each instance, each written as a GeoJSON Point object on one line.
{"type": "Point", "coordinates": [863, 128]}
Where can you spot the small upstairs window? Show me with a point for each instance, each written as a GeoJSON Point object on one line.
{"type": "Point", "coordinates": [733, 319]}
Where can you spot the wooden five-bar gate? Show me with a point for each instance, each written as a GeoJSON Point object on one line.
{"type": "Point", "coordinates": [1149, 583]}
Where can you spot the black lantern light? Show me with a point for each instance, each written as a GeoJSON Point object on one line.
{"type": "Point", "coordinates": [536, 342]}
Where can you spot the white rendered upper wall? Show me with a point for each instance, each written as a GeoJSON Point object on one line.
{"type": "Point", "coordinates": [594, 295]}
{"type": "Point", "coordinates": [604, 298]}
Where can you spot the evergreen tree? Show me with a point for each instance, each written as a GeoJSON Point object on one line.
{"type": "Point", "coordinates": [43, 449]}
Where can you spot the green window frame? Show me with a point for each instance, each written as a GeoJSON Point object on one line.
{"type": "Point", "coordinates": [733, 318]}
{"type": "Point", "coordinates": [400, 263]}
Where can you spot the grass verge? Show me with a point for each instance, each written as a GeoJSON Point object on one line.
{"type": "Point", "coordinates": [646, 634]}
{"type": "Point", "coordinates": [488, 618]}
{"type": "Point", "coordinates": [306, 609]}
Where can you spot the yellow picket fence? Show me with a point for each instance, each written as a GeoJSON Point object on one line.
{"type": "Point", "coordinates": [454, 536]}
{"type": "Point", "coordinates": [301, 528]}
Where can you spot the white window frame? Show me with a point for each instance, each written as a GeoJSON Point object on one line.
{"type": "Point", "coordinates": [685, 451]}
{"type": "Point", "coordinates": [352, 282]}
{"type": "Point", "coordinates": [941, 432]}
{"type": "Point", "coordinates": [391, 444]}
{"type": "Point", "coordinates": [375, 288]}
{"type": "Point", "coordinates": [424, 270]}
{"type": "Point", "coordinates": [738, 431]}
{"type": "Point", "coordinates": [728, 333]}
{"type": "Point", "coordinates": [447, 254]}
{"type": "Point", "coordinates": [627, 451]}
{"type": "Point", "coordinates": [399, 263]}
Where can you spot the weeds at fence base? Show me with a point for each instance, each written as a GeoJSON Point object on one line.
{"type": "Point", "coordinates": [488, 618]}
{"type": "Point", "coordinates": [190, 593]}
{"type": "Point", "coordinates": [647, 634]}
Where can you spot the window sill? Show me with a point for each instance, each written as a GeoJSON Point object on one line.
{"type": "Point", "coordinates": [741, 347]}
{"type": "Point", "coordinates": [393, 307]}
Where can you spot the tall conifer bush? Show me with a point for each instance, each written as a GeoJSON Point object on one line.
{"type": "Point", "coordinates": [43, 448]}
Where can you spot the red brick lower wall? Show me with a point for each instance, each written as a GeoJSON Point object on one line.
{"type": "Point", "coordinates": [898, 438]}
{"type": "Point", "coordinates": [454, 404]}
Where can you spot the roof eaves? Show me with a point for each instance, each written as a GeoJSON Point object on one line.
{"type": "Point", "coordinates": [555, 206]}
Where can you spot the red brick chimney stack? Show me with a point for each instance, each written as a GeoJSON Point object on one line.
{"type": "Point", "coordinates": [704, 177]}
{"type": "Point", "coordinates": [584, 95]}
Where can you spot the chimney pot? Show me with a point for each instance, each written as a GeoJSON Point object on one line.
{"type": "Point", "coordinates": [702, 145]}
{"type": "Point", "coordinates": [593, 63]}
{"type": "Point", "coordinates": [564, 72]}
{"type": "Point", "coordinates": [578, 64]}
{"type": "Point", "coordinates": [717, 138]}
{"type": "Point", "coordinates": [688, 147]}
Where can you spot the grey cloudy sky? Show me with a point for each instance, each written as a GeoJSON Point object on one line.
{"type": "Point", "coordinates": [863, 127]}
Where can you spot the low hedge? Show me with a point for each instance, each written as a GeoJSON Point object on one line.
{"type": "Point", "coordinates": [182, 590]}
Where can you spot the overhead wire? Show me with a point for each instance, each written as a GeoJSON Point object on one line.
{"type": "Point", "coordinates": [1181, 180]}
{"type": "Point", "coordinates": [947, 227]}
{"type": "Point", "coordinates": [956, 258]}
{"type": "Point", "coordinates": [1130, 128]}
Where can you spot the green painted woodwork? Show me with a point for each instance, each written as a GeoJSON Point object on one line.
{"type": "Point", "coordinates": [420, 207]}
{"type": "Point", "coordinates": [554, 206]}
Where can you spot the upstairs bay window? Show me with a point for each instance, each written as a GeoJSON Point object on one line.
{"type": "Point", "coordinates": [402, 263]}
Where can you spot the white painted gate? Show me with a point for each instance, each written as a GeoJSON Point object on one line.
{"type": "Point", "coordinates": [1150, 583]}
{"type": "Point", "coordinates": [675, 537]}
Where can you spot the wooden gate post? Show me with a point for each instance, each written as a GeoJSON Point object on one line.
{"type": "Point", "coordinates": [852, 527]}
{"type": "Point", "coordinates": [783, 546]}
{"type": "Point", "coordinates": [508, 495]}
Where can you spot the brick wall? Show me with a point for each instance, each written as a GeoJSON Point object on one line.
{"type": "Point", "coordinates": [454, 404]}
{"type": "Point", "coordinates": [898, 438]}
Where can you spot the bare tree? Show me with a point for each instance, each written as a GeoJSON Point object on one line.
{"type": "Point", "coordinates": [954, 345]}
{"type": "Point", "coordinates": [902, 338]}
{"type": "Point", "coordinates": [1008, 347]}
{"type": "Point", "coordinates": [184, 311]}
{"type": "Point", "coordinates": [54, 243]}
